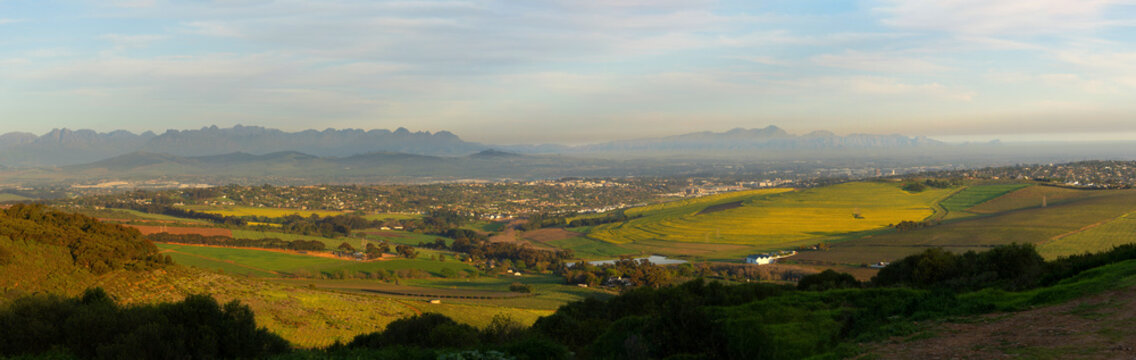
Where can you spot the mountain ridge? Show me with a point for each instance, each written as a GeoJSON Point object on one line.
{"type": "Point", "coordinates": [65, 147]}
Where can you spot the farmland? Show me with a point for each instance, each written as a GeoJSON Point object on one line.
{"type": "Point", "coordinates": [1118, 231]}
{"type": "Point", "coordinates": [274, 262]}
{"type": "Point", "coordinates": [13, 197]}
{"type": "Point", "coordinates": [958, 204]}
{"type": "Point", "coordinates": [239, 211]}
{"type": "Point", "coordinates": [1078, 212]}
{"type": "Point", "coordinates": [775, 218]}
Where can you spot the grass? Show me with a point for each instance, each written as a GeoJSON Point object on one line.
{"type": "Point", "coordinates": [1031, 197]}
{"type": "Point", "coordinates": [958, 204]}
{"type": "Point", "coordinates": [775, 218]}
{"type": "Point", "coordinates": [261, 261]}
{"type": "Point", "coordinates": [404, 237]}
{"type": "Point", "coordinates": [1118, 231]}
{"type": "Point", "coordinates": [391, 216]}
{"type": "Point", "coordinates": [257, 234]}
{"type": "Point", "coordinates": [587, 248]}
{"type": "Point", "coordinates": [13, 197]}
{"type": "Point", "coordinates": [486, 226]}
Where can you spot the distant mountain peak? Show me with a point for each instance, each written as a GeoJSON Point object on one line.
{"type": "Point", "coordinates": [493, 153]}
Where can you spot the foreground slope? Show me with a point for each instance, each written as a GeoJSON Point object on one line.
{"type": "Point", "coordinates": [49, 252]}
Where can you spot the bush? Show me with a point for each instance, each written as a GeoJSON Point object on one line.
{"type": "Point", "coordinates": [827, 280]}
{"type": "Point", "coordinates": [520, 288]}
{"type": "Point", "coordinates": [426, 330]}
{"type": "Point", "coordinates": [94, 327]}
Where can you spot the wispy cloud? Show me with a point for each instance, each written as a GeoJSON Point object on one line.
{"type": "Point", "coordinates": [1007, 17]}
{"type": "Point", "coordinates": [878, 62]}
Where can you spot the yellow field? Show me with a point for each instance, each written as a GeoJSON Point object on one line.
{"type": "Point", "coordinates": [775, 217]}
{"type": "Point", "coordinates": [264, 212]}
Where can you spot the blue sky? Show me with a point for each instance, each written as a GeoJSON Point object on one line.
{"type": "Point", "coordinates": [575, 71]}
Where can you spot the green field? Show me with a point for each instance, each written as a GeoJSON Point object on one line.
{"type": "Point", "coordinates": [958, 204]}
{"type": "Point", "coordinates": [486, 226]}
{"type": "Point", "coordinates": [1118, 231]}
{"type": "Point", "coordinates": [402, 237]}
{"type": "Point", "coordinates": [13, 197]}
{"type": "Point", "coordinates": [391, 216]}
{"type": "Point", "coordinates": [587, 248]}
{"type": "Point", "coordinates": [256, 234]}
{"type": "Point", "coordinates": [258, 262]}
{"type": "Point", "coordinates": [1035, 225]}
{"type": "Point", "coordinates": [774, 218]}
{"type": "Point", "coordinates": [1032, 197]}
{"type": "Point", "coordinates": [239, 211]}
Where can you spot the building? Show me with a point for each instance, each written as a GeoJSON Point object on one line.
{"type": "Point", "coordinates": [760, 259]}
{"type": "Point", "coordinates": [768, 258]}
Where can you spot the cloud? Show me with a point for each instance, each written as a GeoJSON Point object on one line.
{"type": "Point", "coordinates": [210, 28]}
{"type": "Point", "coordinates": [134, 4]}
{"type": "Point", "coordinates": [877, 62]}
{"type": "Point", "coordinates": [6, 21]}
{"type": "Point", "coordinates": [122, 41]}
{"type": "Point", "coordinates": [1004, 17]}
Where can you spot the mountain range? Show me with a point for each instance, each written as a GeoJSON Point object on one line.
{"type": "Point", "coordinates": [63, 147]}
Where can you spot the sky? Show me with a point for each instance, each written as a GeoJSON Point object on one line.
{"type": "Point", "coordinates": [536, 71]}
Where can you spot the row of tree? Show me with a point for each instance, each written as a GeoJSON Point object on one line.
{"type": "Point", "coordinates": [221, 240]}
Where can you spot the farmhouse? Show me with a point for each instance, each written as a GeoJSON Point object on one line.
{"type": "Point", "coordinates": [768, 258]}
{"type": "Point", "coordinates": [759, 259]}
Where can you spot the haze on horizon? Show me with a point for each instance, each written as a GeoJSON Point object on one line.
{"type": "Point", "coordinates": [572, 72]}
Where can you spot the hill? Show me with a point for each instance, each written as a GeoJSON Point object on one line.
{"type": "Point", "coordinates": [1016, 216]}
{"type": "Point", "coordinates": [772, 219]}
{"type": "Point", "coordinates": [43, 251]}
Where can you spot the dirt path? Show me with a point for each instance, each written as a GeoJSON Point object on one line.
{"type": "Point", "coordinates": [1095, 327]}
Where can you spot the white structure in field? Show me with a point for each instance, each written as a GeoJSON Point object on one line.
{"type": "Point", "coordinates": [768, 258]}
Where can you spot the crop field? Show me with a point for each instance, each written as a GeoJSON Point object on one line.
{"type": "Point", "coordinates": [486, 226]}
{"type": "Point", "coordinates": [401, 237]}
{"type": "Point", "coordinates": [549, 292]}
{"type": "Point", "coordinates": [958, 204]}
{"type": "Point", "coordinates": [178, 230]}
{"type": "Point", "coordinates": [277, 262]}
{"type": "Point", "coordinates": [774, 218]}
{"type": "Point", "coordinates": [1118, 231]}
{"type": "Point", "coordinates": [588, 249]}
{"type": "Point", "coordinates": [1032, 225]}
{"type": "Point", "coordinates": [261, 212]}
{"type": "Point", "coordinates": [256, 234]}
{"type": "Point", "coordinates": [13, 197]}
{"type": "Point", "coordinates": [391, 216]}
{"type": "Point", "coordinates": [1031, 197]}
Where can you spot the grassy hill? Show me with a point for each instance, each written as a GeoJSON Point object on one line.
{"type": "Point", "coordinates": [50, 252]}
{"type": "Point", "coordinates": [1014, 217]}
{"type": "Point", "coordinates": [775, 218]}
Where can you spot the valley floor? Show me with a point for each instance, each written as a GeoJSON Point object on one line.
{"type": "Point", "coordinates": [1101, 326]}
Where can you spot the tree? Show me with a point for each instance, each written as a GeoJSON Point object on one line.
{"type": "Point", "coordinates": [345, 247]}
{"type": "Point", "coordinates": [406, 251]}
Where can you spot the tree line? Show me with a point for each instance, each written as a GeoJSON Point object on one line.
{"type": "Point", "coordinates": [221, 240]}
